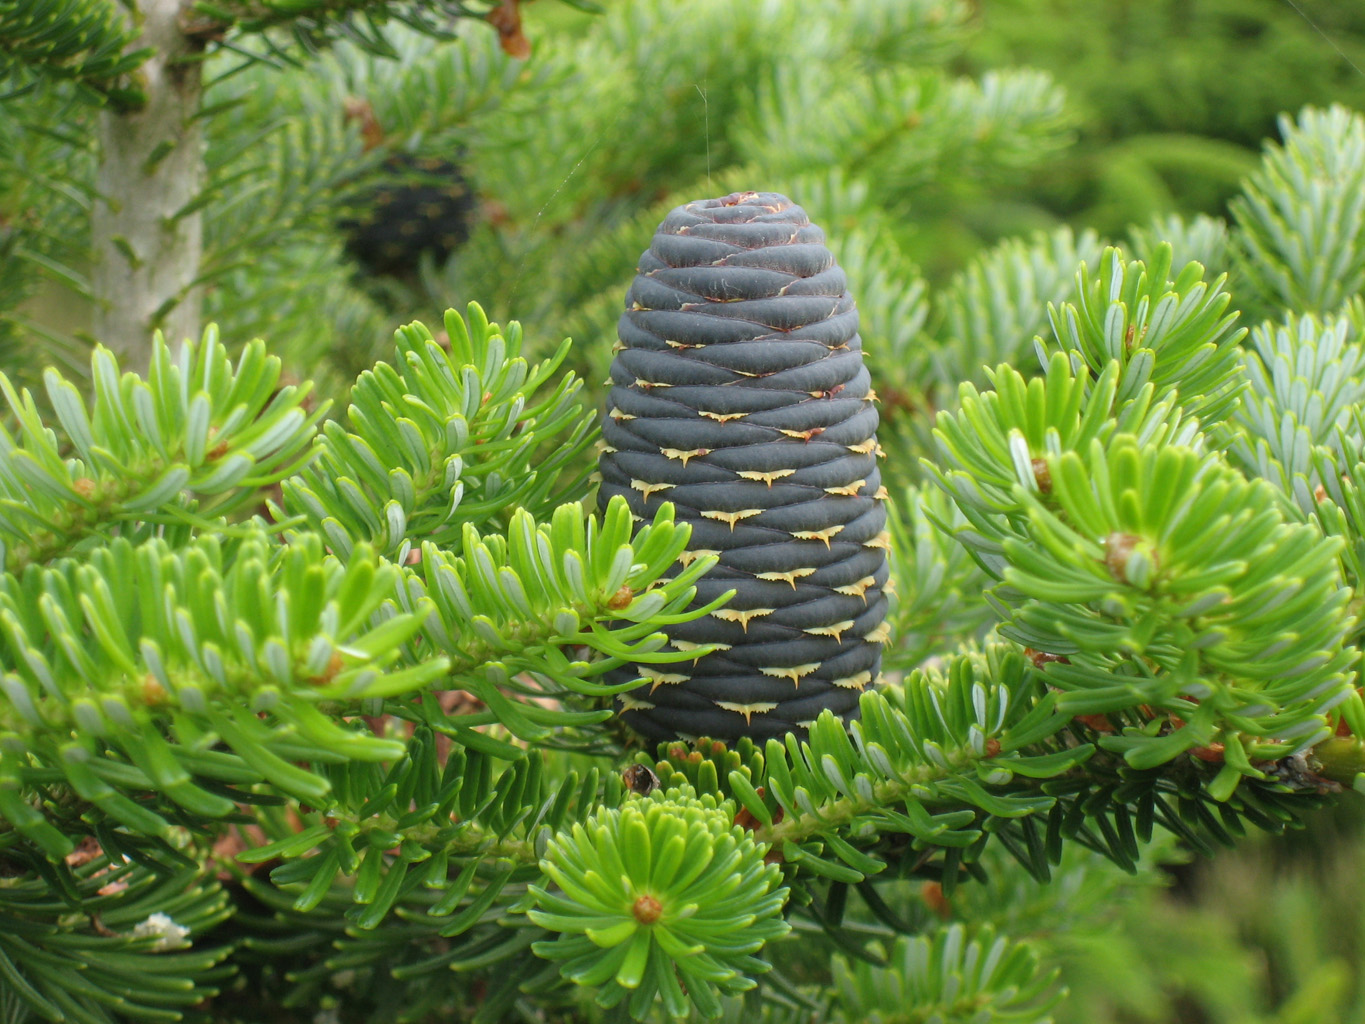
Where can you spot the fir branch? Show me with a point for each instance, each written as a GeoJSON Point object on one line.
{"type": "Point", "coordinates": [1116, 555]}
{"type": "Point", "coordinates": [1129, 567]}
{"type": "Point", "coordinates": [902, 127]}
{"type": "Point", "coordinates": [973, 755]}
{"type": "Point", "coordinates": [661, 898]}
{"type": "Point", "coordinates": [1304, 389]}
{"type": "Point", "coordinates": [420, 861]}
{"type": "Point", "coordinates": [85, 41]}
{"type": "Point", "coordinates": [197, 438]}
{"type": "Point", "coordinates": [509, 613]}
{"type": "Point", "coordinates": [432, 94]}
{"type": "Point", "coordinates": [411, 471]}
{"type": "Point", "coordinates": [121, 941]}
{"type": "Point", "coordinates": [917, 32]}
{"type": "Point", "coordinates": [240, 642]}
{"type": "Point", "coordinates": [315, 25]}
{"type": "Point", "coordinates": [913, 765]}
{"type": "Point", "coordinates": [437, 810]}
{"type": "Point", "coordinates": [995, 448]}
{"type": "Point", "coordinates": [1204, 240]}
{"type": "Point", "coordinates": [403, 963]}
{"type": "Point", "coordinates": [950, 975]}
{"type": "Point", "coordinates": [1177, 335]}
{"type": "Point", "coordinates": [991, 312]}
{"type": "Point", "coordinates": [1302, 214]}
{"type": "Point", "coordinates": [1340, 509]}
{"type": "Point", "coordinates": [393, 837]}
{"type": "Point", "coordinates": [938, 597]}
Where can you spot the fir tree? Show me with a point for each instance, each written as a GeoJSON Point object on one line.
{"type": "Point", "coordinates": [310, 717]}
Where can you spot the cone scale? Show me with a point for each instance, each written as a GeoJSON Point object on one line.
{"type": "Point", "coordinates": [738, 393]}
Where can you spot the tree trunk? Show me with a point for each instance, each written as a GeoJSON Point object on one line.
{"type": "Point", "coordinates": [151, 165]}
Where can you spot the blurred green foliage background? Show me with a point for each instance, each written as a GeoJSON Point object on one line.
{"type": "Point", "coordinates": [1174, 97]}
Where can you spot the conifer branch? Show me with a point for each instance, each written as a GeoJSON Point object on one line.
{"type": "Point", "coordinates": [196, 438]}
{"type": "Point", "coordinates": [85, 41]}
{"type": "Point", "coordinates": [446, 441]}
{"type": "Point", "coordinates": [1302, 214]}
{"type": "Point", "coordinates": [948, 976]}
{"type": "Point", "coordinates": [134, 947]}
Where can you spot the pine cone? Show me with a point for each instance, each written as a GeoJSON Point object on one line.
{"type": "Point", "coordinates": [427, 208]}
{"type": "Point", "coordinates": [739, 394]}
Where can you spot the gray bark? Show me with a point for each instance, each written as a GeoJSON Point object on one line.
{"type": "Point", "coordinates": [151, 164]}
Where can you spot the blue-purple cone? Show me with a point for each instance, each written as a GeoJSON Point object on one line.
{"type": "Point", "coordinates": [739, 394]}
